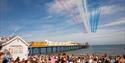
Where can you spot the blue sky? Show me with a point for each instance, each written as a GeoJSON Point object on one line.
{"type": "Point", "coordinates": [62, 20]}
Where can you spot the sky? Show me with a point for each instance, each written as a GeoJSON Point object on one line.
{"type": "Point", "coordinates": [64, 20]}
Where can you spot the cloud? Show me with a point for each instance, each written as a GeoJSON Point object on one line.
{"type": "Point", "coordinates": [102, 36]}
{"type": "Point", "coordinates": [109, 9]}
{"type": "Point", "coordinates": [51, 29]}
{"type": "Point", "coordinates": [54, 7]}
{"type": "Point", "coordinates": [111, 38]}
{"type": "Point", "coordinates": [64, 7]}
{"type": "Point", "coordinates": [75, 9]}
{"type": "Point", "coordinates": [117, 22]}
{"type": "Point", "coordinates": [48, 17]}
{"type": "Point", "coordinates": [61, 5]}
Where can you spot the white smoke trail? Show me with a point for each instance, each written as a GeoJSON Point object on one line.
{"type": "Point", "coordinates": [83, 14]}
{"type": "Point", "coordinates": [16, 30]}
{"type": "Point", "coordinates": [86, 12]}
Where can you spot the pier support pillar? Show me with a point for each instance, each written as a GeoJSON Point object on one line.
{"type": "Point", "coordinates": [51, 49]}
{"type": "Point", "coordinates": [56, 48]}
{"type": "Point", "coordinates": [46, 50]}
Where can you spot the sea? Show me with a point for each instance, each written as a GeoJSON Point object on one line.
{"type": "Point", "coordinates": [112, 50]}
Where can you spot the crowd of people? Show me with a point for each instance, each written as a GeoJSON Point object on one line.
{"type": "Point", "coordinates": [65, 58]}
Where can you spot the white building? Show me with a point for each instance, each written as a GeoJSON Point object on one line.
{"type": "Point", "coordinates": [54, 43]}
{"type": "Point", "coordinates": [17, 47]}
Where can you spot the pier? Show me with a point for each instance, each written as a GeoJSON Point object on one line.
{"type": "Point", "coordinates": [47, 48]}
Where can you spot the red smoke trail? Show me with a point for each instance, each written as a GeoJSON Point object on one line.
{"type": "Point", "coordinates": [75, 18]}
{"type": "Point", "coordinates": [65, 6]}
